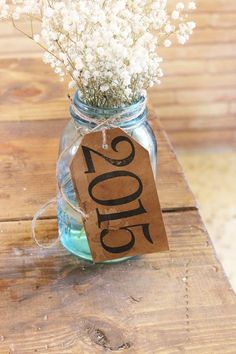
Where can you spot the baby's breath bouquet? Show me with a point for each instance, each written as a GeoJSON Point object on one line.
{"type": "Point", "coordinates": [109, 48]}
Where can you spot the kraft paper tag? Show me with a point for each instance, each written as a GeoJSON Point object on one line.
{"type": "Point", "coordinates": [115, 187]}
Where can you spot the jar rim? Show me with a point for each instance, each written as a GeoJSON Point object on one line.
{"type": "Point", "coordinates": [85, 114]}
{"type": "Point", "coordinates": [80, 103]}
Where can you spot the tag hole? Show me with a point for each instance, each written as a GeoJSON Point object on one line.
{"type": "Point", "coordinates": [105, 146]}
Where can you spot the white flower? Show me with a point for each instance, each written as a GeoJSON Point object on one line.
{"type": "Point", "coordinates": [16, 16]}
{"type": "Point", "coordinates": [100, 51]}
{"type": "Point", "coordinates": [104, 88]}
{"type": "Point", "coordinates": [151, 83]}
{"type": "Point", "coordinates": [192, 5]}
{"type": "Point", "coordinates": [110, 49]}
{"type": "Point", "coordinates": [175, 15]}
{"type": "Point", "coordinates": [167, 43]}
{"type": "Point", "coordinates": [4, 9]}
{"type": "Point", "coordinates": [36, 38]}
{"type": "Point", "coordinates": [57, 70]}
{"type": "Point", "coordinates": [48, 12]}
{"type": "Point", "coordinates": [180, 6]}
{"type": "Point", "coordinates": [72, 84]}
{"type": "Point", "coordinates": [78, 63]}
{"type": "Point", "coordinates": [76, 73]}
{"type": "Point", "coordinates": [168, 28]}
{"type": "Point", "coordinates": [191, 25]}
{"type": "Point", "coordinates": [182, 39]}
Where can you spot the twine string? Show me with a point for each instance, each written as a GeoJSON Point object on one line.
{"type": "Point", "coordinates": [104, 138]}
{"type": "Point", "coordinates": [36, 217]}
{"type": "Point", "coordinates": [105, 124]}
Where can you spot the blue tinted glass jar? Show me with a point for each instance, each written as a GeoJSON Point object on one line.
{"type": "Point", "coordinates": [133, 119]}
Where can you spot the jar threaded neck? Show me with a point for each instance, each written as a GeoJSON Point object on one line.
{"type": "Point", "coordinates": [84, 114]}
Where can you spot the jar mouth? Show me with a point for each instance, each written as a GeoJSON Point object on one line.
{"type": "Point", "coordinates": [80, 103]}
{"type": "Point", "coordinates": [86, 114]}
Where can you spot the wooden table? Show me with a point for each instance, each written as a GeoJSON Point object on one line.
{"type": "Point", "coordinates": [50, 302]}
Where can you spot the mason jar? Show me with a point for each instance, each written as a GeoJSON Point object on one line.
{"type": "Point", "coordinates": [85, 118]}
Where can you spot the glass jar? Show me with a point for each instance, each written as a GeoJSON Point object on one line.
{"type": "Point", "coordinates": [85, 117]}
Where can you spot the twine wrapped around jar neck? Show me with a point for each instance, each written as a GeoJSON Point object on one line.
{"type": "Point", "coordinates": [107, 117]}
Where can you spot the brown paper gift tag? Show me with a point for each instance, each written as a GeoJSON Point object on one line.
{"type": "Point", "coordinates": [116, 189]}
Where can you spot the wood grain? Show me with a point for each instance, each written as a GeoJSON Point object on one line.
{"type": "Point", "coordinates": [29, 90]}
{"type": "Point", "coordinates": [202, 139]}
{"type": "Point", "coordinates": [174, 302]}
{"type": "Point", "coordinates": [27, 169]}
{"type": "Point", "coordinates": [199, 124]}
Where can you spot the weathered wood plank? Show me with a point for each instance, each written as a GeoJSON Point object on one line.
{"type": "Point", "coordinates": [208, 95]}
{"type": "Point", "coordinates": [27, 169]}
{"type": "Point", "coordinates": [173, 302]}
{"type": "Point", "coordinates": [213, 35]}
{"type": "Point", "coordinates": [215, 19]}
{"type": "Point", "coordinates": [204, 138]}
{"type": "Point", "coordinates": [207, 6]}
{"type": "Point", "coordinates": [202, 81]}
{"type": "Point", "coordinates": [200, 51]}
{"type": "Point", "coordinates": [30, 90]}
{"type": "Point", "coordinates": [177, 111]}
{"type": "Point", "coordinates": [192, 97]}
{"type": "Point", "coordinates": [200, 123]}
{"type": "Point", "coordinates": [198, 66]}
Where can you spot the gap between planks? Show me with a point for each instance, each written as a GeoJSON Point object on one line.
{"type": "Point", "coordinates": [165, 211]}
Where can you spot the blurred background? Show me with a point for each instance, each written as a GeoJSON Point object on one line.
{"type": "Point", "coordinates": [196, 104]}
